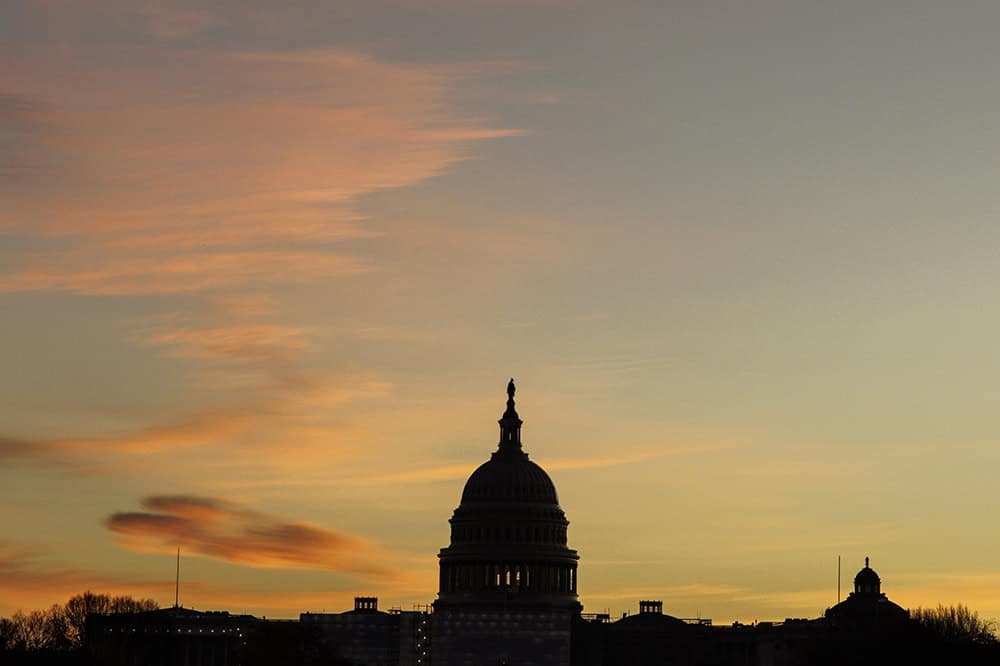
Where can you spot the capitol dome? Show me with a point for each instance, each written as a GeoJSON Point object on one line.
{"type": "Point", "coordinates": [508, 476]}
{"type": "Point", "coordinates": [508, 534]}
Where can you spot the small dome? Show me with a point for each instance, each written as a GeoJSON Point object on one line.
{"type": "Point", "coordinates": [867, 581]}
{"type": "Point", "coordinates": [509, 477]}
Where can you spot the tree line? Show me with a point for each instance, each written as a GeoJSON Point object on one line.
{"type": "Point", "coordinates": [956, 624]}
{"type": "Point", "coordinates": [61, 628]}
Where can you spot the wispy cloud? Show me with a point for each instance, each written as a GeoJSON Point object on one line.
{"type": "Point", "coordinates": [227, 531]}
{"type": "Point", "coordinates": [235, 169]}
{"type": "Point", "coordinates": [12, 448]}
{"type": "Point", "coordinates": [198, 175]}
{"type": "Point", "coordinates": [198, 428]}
{"type": "Point", "coordinates": [196, 271]}
{"type": "Point", "coordinates": [241, 341]}
{"type": "Point", "coordinates": [277, 402]}
{"type": "Point", "coordinates": [92, 454]}
{"type": "Point", "coordinates": [287, 430]}
{"type": "Point", "coordinates": [458, 471]}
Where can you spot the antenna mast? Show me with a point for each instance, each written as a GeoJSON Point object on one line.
{"type": "Point", "coordinates": [177, 580]}
{"type": "Point", "coordinates": [838, 579]}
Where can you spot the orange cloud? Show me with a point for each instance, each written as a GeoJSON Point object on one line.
{"type": "Point", "coordinates": [80, 452]}
{"type": "Point", "coordinates": [207, 174]}
{"type": "Point", "coordinates": [288, 428]}
{"type": "Point", "coordinates": [232, 169]}
{"type": "Point", "coordinates": [278, 401]}
{"type": "Point", "coordinates": [247, 341]}
{"type": "Point", "coordinates": [177, 273]}
{"type": "Point", "coordinates": [222, 530]}
{"type": "Point", "coordinates": [459, 471]}
{"type": "Point", "coordinates": [238, 340]}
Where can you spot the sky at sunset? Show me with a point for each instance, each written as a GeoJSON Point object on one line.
{"type": "Point", "coordinates": [266, 268]}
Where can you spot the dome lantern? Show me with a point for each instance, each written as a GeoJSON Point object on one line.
{"type": "Point", "coordinates": [510, 423]}
{"type": "Point", "coordinates": [867, 582]}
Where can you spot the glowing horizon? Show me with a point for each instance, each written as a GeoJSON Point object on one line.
{"type": "Point", "coordinates": [265, 272]}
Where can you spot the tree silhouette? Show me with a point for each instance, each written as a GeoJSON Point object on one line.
{"type": "Point", "coordinates": [80, 605]}
{"type": "Point", "coordinates": [61, 628]}
{"type": "Point", "coordinates": [956, 624]}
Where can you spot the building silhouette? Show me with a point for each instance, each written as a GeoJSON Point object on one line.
{"type": "Point", "coordinates": [508, 581]}
{"type": "Point", "coordinates": [169, 637]}
{"type": "Point", "coordinates": [368, 636]}
{"type": "Point", "coordinates": [507, 595]}
{"type": "Point", "coordinates": [866, 605]}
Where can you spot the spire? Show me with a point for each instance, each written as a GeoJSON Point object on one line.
{"type": "Point", "coordinates": [177, 581]}
{"type": "Point", "coordinates": [866, 562]}
{"type": "Point", "coordinates": [510, 423]}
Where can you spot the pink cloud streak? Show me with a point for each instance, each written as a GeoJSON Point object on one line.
{"type": "Point", "coordinates": [187, 170]}
{"type": "Point", "coordinates": [226, 531]}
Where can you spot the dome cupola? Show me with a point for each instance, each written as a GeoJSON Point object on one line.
{"type": "Point", "coordinates": [867, 583]}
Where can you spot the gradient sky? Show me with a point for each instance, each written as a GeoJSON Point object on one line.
{"type": "Point", "coordinates": [266, 268]}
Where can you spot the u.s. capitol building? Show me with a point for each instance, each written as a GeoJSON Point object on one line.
{"type": "Point", "coordinates": [507, 595]}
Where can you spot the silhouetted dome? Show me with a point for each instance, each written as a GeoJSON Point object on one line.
{"type": "Point", "coordinates": [867, 607]}
{"type": "Point", "coordinates": [508, 534]}
{"type": "Point", "coordinates": [509, 477]}
{"type": "Point", "coordinates": [867, 581]}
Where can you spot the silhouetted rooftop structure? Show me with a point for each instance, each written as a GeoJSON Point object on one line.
{"type": "Point", "coordinates": [867, 607]}
{"type": "Point", "coordinates": [508, 595]}
{"type": "Point", "coordinates": [170, 636]}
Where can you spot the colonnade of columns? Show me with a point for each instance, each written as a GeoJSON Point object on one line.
{"type": "Point", "coordinates": [532, 576]}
